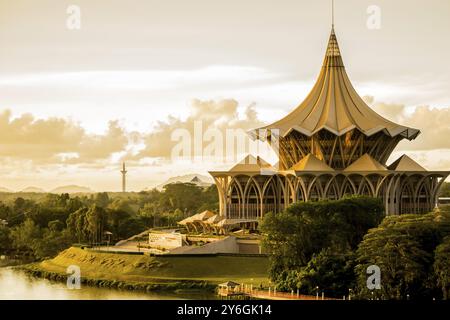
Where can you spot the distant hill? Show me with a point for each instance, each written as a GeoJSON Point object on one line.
{"type": "Point", "coordinates": [197, 179]}
{"type": "Point", "coordinates": [72, 189]}
{"type": "Point", "coordinates": [32, 190]}
{"type": "Point", "coordinates": [6, 190]}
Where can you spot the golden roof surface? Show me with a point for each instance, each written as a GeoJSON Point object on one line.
{"type": "Point", "coordinates": [252, 164]}
{"type": "Point", "coordinates": [405, 163]}
{"type": "Point", "coordinates": [197, 217]}
{"type": "Point", "coordinates": [311, 163]}
{"type": "Point", "coordinates": [214, 219]}
{"type": "Point", "coordinates": [366, 163]}
{"type": "Point", "coordinates": [333, 104]}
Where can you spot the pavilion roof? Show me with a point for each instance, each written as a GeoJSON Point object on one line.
{"type": "Point", "coordinates": [205, 215]}
{"type": "Point", "coordinates": [405, 163]}
{"type": "Point", "coordinates": [311, 163]}
{"type": "Point", "coordinates": [366, 163]}
{"type": "Point", "coordinates": [214, 219]}
{"type": "Point", "coordinates": [252, 164]}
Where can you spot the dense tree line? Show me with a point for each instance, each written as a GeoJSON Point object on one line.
{"type": "Point", "coordinates": [412, 252]}
{"type": "Point", "coordinates": [311, 233]}
{"type": "Point", "coordinates": [43, 227]}
{"type": "Point", "coordinates": [328, 245]}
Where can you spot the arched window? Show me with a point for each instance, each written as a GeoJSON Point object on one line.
{"type": "Point", "coordinates": [365, 189]}
{"type": "Point", "coordinates": [314, 193]}
{"type": "Point", "coordinates": [332, 192]}
{"type": "Point", "coordinates": [270, 197]}
{"type": "Point", "coordinates": [423, 198]}
{"type": "Point", "coordinates": [252, 202]}
{"type": "Point", "coordinates": [300, 193]}
{"type": "Point", "coordinates": [347, 189]}
{"type": "Point", "coordinates": [406, 199]}
{"type": "Point", "coordinates": [234, 199]}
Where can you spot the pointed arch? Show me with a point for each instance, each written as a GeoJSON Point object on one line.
{"type": "Point", "coordinates": [332, 192]}
{"type": "Point", "coordinates": [252, 200]}
{"type": "Point", "coordinates": [235, 198]}
{"type": "Point", "coordinates": [270, 196]}
{"type": "Point", "coordinates": [365, 188]}
{"type": "Point", "coordinates": [406, 198]}
{"type": "Point", "coordinates": [348, 187]}
{"type": "Point", "coordinates": [300, 190]}
{"type": "Point", "coordinates": [315, 190]}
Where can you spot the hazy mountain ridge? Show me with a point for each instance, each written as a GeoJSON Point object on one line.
{"type": "Point", "coordinates": [197, 179]}
{"type": "Point", "coordinates": [33, 190]}
{"type": "Point", "coordinates": [72, 189]}
{"type": "Point", "coordinates": [60, 189]}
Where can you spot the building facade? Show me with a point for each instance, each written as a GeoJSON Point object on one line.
{"type": "Point", "coordinates": [332, 145]}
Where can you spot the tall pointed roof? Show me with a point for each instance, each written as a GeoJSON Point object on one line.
{"type": "Point", "coordinates": [405, 163]}
{"type": "Point", "coordinates": [333, 104]}
{"type": "Point", "coordinates": [366, 163]}
{"type": "Point", "coordinates": [310, 163]}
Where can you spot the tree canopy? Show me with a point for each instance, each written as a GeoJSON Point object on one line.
{"type": "Point", "coordinates": [404, 248]}
{"type": "Point", "coordinates": [43, 225]}
{"type": "Point", "coordinates": [306, 228]}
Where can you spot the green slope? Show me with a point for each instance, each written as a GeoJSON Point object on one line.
{"type": "Point", "coordinates": [142, 268]}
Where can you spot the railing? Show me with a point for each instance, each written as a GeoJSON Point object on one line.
{"type": "Point", "coordinates": [251, 210]}
{"type": "Point", "coordinates": [248, 291]}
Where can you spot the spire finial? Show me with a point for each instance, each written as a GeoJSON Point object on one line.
{"type": "Point", "coordinates": [332, 14]}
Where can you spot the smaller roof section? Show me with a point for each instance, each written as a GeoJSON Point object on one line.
{"type": "Point", "coordinates": [205, 215]}
{"type": "Point", "coordinates": [405, 163]}
{"type": "Point", "coordinates": [185, 221]}
{"type": "Point", "coordinates": [214, 219]}
{"type": "Point", "coordinates": [252, 164]}
{"type": "Point", "coordinates": [311, 163]}
{"type": "Point", "coordinates": [366, 163]}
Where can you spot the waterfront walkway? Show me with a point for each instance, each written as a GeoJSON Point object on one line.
{"type": "Point", "coordinates": [245, 291]}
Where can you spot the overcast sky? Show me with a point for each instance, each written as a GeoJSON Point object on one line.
{"type": "Point", "coordinates": [74, 103]}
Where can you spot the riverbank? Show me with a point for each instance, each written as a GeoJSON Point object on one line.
{"type": "Point", "coordinates": [153, 273]}
{"type": "Point", "coordinates": [18, 285]}
{"type": "Point", "coordinates": [10, 263]}
{"type": "Point", "coordinates": [6, 261]}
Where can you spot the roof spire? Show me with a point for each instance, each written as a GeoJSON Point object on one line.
{"type": "Point", "coordinates": [333, 56]}
{"type": "Point", "coordinates": [332, 14]}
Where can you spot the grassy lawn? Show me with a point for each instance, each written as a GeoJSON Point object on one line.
{"type": "Point", "coordinates": [249, 270]}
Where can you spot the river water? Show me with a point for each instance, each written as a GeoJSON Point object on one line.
{"type": "Point", "coordinates": [16, 285]}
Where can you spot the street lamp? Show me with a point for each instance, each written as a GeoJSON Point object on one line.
{"type": "Point", "coordinates": [317, 292]}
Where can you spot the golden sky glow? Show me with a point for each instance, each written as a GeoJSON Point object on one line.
{"type": "Point", "coordinates": [75, 103]}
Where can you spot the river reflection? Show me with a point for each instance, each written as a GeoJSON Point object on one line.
{"type": "Point", "coordinates": [16, 285]}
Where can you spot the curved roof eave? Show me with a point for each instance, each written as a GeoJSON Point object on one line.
{"type": "Point", "coordinates": [408, 133]}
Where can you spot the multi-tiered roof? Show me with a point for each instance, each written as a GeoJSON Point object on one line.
{"type": "Point", "coordinates": [333, 122]}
